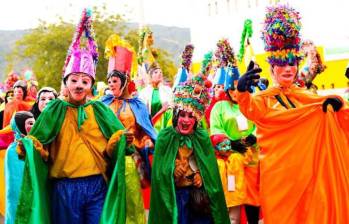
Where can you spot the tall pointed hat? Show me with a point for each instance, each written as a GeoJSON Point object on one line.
{"type": "Point", "coordinates": [183, 71]}
{"type": "Point", "coordinates": [82, 60]}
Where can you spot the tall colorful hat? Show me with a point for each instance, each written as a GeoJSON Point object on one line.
{"type": "Point", "coordinates": [227, 70]}
{"type": "Point", "coordinates": [193, 96]}
{"type": "Point", "coordinates": [281, 35]}
{"type": "Point", "coordinates": [206, 64]}
{"type": "Point", "coordinates": [121, 55]}
{"type": "Point", "coordinates": [183, 72]}
{"type": "Point", "coordinates": [80, 60]}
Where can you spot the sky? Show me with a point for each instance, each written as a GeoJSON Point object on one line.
{"type": "Point", "coordinates": [24, 14]}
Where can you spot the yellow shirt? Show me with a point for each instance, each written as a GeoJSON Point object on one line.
{"type": "Point", "coordinates": [70, 152]}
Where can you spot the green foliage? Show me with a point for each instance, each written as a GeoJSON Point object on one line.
{"type": "Point", "coordinates": [44, 49]}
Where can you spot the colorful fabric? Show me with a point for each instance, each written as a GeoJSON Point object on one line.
{"type": "Point", "coordinates": [155, 102]}
{"type": "Point", "coordinates": [300, 139]}
{"type": "Point", "coordinates": [33, 203]}
{"type": "Point", "coordinates": [69, 195]}
{"type": "Point", "coordinates": [12, 107]}
{"type": "Point", "coordinates": [73, 152]}
{"type": "Point", "coordinates": [14, 174]}
{"type": "Point", "coordinates": [163, 205]}
{"type": "Point", "coordinates": [225, 119]}
{"type": "Point", "coordinates": [139, 109]}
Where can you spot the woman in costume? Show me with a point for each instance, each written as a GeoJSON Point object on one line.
{"type": "Point", "coordinates": [45, 95]}
{"type": "Point", "coordinates": [157, 97]}
{"type": "Point", "coordinates": [186, 187]}
{"type": "Point", "coordinates": [134, 115]}
{"type": "Point", "coordinates": [21, 124]}
{"type": "Point", "coordinates": [18, 103]}
{"type": "Point", "coordinates": [303, 137]}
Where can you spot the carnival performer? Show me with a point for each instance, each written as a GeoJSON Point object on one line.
{"type": "Point", "coordinates": [7, 98]}
{"type": "Point", "coordinates": [186, 187]}
{"type": "Point", "coordinates": [226, 72]}
{"type": "Point", "coordinates": [21, 124]}
{"type": "Point", "coordinates": [44, 96]}
{"type": "Point", "coordinates": [303, 137]}
{"type": "Point", "coordinates": [18, 103]}
{"type": "Point", "coordinates": [134, 115]}
{"type": "Point", "coordinates": [157, 97]}
{"type": "Point", "coordinates": [81, 138]}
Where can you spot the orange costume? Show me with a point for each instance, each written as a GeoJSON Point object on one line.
{"type": "Point", "coordinates": [305, 158]}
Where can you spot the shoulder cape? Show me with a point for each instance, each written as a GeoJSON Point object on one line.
{"type": "Point", "coordinates": [140, 111]}
{"type": "Point", "coordinates": [163, 207]}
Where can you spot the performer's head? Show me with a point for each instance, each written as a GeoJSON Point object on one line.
{"type": "Point", "coordinates": [184, 122]}
{"type": "Point", "coordinates": [24, 121]}
{"type": "Point", "coordinates": [80, 66]}
{"type": "Point", "coordinates": [191, 98]}
{"type": "Point", "coordinates": [281, 36]}
{"type": "Point", "coordinates": [45, 95]}
{"type": "Point", "coordinates": [221, 144]}
{"type": "Point", "coordinates": [156, 76]}
{"type": "Point", "coordinates": [9, 96]}
{"type": "Point", "coordinates": [117, 82]}
{"type": "Point", "coordinates": [122, 63]}
{"type": "Point", "coordinates": [20, 90]}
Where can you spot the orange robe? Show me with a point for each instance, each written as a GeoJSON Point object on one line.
{"type": "Point", "coordinates": [305, 157]}
{"type": "Point", "coordinates": [13, 107]}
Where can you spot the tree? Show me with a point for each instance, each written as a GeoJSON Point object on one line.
{"type": "Point", "coordinates": [45, 47]}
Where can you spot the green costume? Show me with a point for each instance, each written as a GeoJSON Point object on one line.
{"type": "Point", "coordinates": [163, 207]}
{"type": "Point", "coordinates": [223, 120]}
{"type": "Point", "coordinates": [34, 204]}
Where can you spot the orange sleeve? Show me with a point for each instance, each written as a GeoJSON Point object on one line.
{"type": "Point", "coordinates": [253, 107]}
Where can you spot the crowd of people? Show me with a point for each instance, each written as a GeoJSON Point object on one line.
{"type": "Point", "coordinates": [221, 146]}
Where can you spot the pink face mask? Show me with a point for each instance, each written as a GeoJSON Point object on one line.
{"type": "Point", "coordinates": [285, 75]}
{"type": "Point", "coordinates": [186, 122]}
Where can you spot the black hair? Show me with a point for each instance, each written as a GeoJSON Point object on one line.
{"type": "Point", "coordinates": [6, 95]}
{"type": "Point", "coordinates": [20, 118]}
{"type": "Point", "coordinates": [122, 76]}
{"type": "Point", "coordinates": [175, 117]}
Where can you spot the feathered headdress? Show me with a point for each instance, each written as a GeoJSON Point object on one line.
{"type": "Point", "coordinates": [206, 64]}
{"type": "Point", "coordinates": [281, 35]}
{"type": "Point", "coordinates": [80, 59]}
{"type": "Point", "coordinates": [183, 71]}
{"type": "Point", "coordinates": [193, 96]}
{"type": "Point", "coordinates": [227, 71]}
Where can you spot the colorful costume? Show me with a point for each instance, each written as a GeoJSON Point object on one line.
{"type": "Point", "coordinates": [84, 142]}
{"type": "Point", "coordinates": [171, 200]}
{"type": "Point", "coordinates": [14, 168]}
{"type": "Point", "coordinates": [304, 166]}
{"type": "Point", "coordinates": [134, 115]}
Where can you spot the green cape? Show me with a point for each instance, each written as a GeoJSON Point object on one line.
{"type": "Point", "coordinates": [34, 204]}
{"type": "Point", "coordinates": [163, 207]}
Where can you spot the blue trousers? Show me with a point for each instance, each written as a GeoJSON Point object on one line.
{"type": "Point", "coordinates": [185, 215]}
{"type": "Point", "coordinates": [78, 200]}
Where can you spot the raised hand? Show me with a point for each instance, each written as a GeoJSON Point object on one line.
{"type": "Point", "coordinates": [249, 79]}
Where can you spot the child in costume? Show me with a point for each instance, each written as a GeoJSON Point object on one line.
{"type": "Point", "coordinates": [186, 187]}
{"type": "Point", "coordinates": [21, 124]}
{"type": "Point", "coordinates": [82, 139]}
{"type": "Point", "coordinates": [134, 115]}
{"type": "Point", "coordinates": [44, 96]}
{"type": "Point", "coordinates": [303, 137]}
